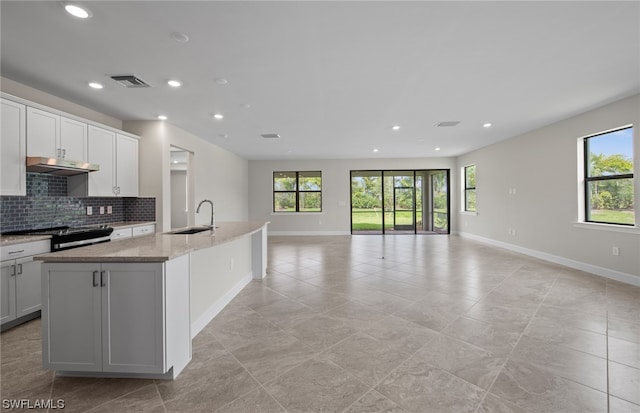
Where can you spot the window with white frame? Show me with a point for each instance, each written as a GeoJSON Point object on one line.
{"type": "Point", "coordinates": [469, 173]}
{"type": "Point", "coordinates": [608, 177]}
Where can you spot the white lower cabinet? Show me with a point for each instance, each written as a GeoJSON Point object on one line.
{"type": "Point", "coordinates": [132, 232]}
{"type": "Point", "coordinates": [20, 282]}
{"type": "Point", "coordinates": [110, 318]}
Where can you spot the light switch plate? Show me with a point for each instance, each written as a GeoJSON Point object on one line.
{"type": "Point", "coordinates": [89, 210]}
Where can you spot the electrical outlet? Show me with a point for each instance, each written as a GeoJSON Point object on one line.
{"type": "Point", "coordinates": [101, 210]}
{"type": "Point", "coordinates": [615, 251]}
{"type": "Point", "coordinates": [89, 210]}
{"type": "Point", "coordinates": [109, 209]}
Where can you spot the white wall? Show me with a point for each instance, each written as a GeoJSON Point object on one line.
{"type": "Point", "coordinates": [335, 216]}
{"type": "Point", "coordinates": [542, 166]}
{"type": "Point", "coordinates": [215, 174]}
{"type": "Point", "coordinates": [26, 92]}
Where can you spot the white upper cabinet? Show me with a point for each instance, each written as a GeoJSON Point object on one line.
{"type": "Point", "coordinates": [102, 146]}
{"type": "Point", "coordinates": [117, 156]}
{"type": "Point", "coordinates": [126, 166]}
{"type": "Point", "coordinates": [43, 133]}
{"type": "Point", "coordinates": [54, 136]}
{"type": "Point", "coordinates": [13, 148]}
{"type": "Point", "coordinates": [73, 139]}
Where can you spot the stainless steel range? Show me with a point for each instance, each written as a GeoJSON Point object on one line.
{"type": "Point", "coordinates": [64, 238]}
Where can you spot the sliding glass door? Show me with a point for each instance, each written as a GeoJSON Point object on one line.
{"type": "Point", "coordinates": [400, 202]}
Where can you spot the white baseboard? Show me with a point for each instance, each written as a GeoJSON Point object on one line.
{"type": "Point", "coordinates": [216, 307]}
{"type": "Point", "coordinates": [567, 262]}
{"type": "Point", "coordinates": [305, 233]}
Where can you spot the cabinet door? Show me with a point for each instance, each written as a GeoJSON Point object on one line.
{"type": "Point", "coordinates": [28, 286]}
{"type": "Point", "coordinates": [127, 166]}
{"type": "Point", "coordinates": [7, 292]}
{"type": "Point", "coordinates": [13, 148]}
{"type": "Point", "coordinates": [71, 317]}
{"type": "Point", "coordinates": [43, 133]}
{"type": "Point", "coordinates": [144, 230]}
{"type": "Point", "coordinates": [73, 139]}
{"type": "Point", "coordinates": [132, 318]}
{"type": "Point", "coordinates": [121, 233]}
{"type": "Point", "coordinates": [101, 151]}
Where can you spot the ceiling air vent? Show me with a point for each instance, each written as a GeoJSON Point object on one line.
{"type": "Point", "coordinates": [270, 135]}
{"type": "Point", "coordinates": [130, 81]}
{"type": "Point", "coordinates": [448, 123]}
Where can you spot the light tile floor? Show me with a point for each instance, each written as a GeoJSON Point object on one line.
{"type": "Point", "coordinates": [385, 324]}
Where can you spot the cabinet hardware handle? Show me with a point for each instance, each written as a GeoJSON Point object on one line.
{"type": "Point", "coordinates": [103, 278]}
{"type": "Point", "coordinates": [13, 270]}
{"type": "Point", "coordinates": [95, 278]}
{"type": "Point", "coordinates": [19, 269]}
{"type": "Point", "coordinates": [16, 252]}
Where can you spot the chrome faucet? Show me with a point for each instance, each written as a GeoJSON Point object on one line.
{"type": "Point", "coordinates": [212, 226]}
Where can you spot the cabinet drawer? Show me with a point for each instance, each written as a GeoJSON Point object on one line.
{"type": "Point", "coordinates": [121, 233]}
{"type": "Point", "coordinates": [25, 249]}
{"type": "Point", "coordinates": [144, 230]}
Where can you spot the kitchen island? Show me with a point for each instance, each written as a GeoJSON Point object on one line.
{"type": "Point", "coordinates": [130, 308]}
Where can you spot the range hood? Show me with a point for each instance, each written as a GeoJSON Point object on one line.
{"type": "Point", "coordinates": [62, 167]}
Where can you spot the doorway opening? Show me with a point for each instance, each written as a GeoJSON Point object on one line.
{"type": "Point", "coordinates": [180, 188]}
{"type": "Point", "coordinates": [400, 201]}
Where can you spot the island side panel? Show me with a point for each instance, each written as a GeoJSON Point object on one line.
{"type": "Point", "coordinates": [178, 323]}
{"type": "Point", "coordinates": [259, 253]}
{"type": "Point", "coordinates": [218, 274]}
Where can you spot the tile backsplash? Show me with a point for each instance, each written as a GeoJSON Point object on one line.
{"type": "Point", "coordinates": [47, 205]}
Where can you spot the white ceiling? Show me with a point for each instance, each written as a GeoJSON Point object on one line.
{"type": "Point", "coordinates": [332, 78]}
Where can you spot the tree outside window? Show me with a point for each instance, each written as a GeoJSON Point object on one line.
{"type": "Point", "coordinates": [297, 191]}
{"type": "Point", "coordinates": [609, 177]}
{"type": "Point", "coordinates": [470, 188]}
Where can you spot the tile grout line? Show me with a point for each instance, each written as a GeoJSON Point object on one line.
{"type": "Point", "coordinates": [261, 386]}
{"type": "Point", "coordinates": [155, 385]}
{"type": "Point", "coordinates": [606, 294]}
{"type": "Point", "coordinates": [517, 342]}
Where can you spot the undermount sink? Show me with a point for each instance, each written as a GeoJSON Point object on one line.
{"type": "Point", "coordinates": [190, 231]}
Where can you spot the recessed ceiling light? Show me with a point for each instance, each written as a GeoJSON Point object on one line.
{"type": "Point", "coordinates": [486, 125]}
{"type": "Point", "coordinates": [77, 11]}
{"type": "Point", "coordinates": [221, 81]}
{"type": "Point", "coordinates": [179, 37]}
{"type": "Point", "coordinates": [395, 127]}
{"type": "Point", "coordinates": [218, 116]}
{"type": "Point", "coordinates": [175, 161]}
{"type": "Point", "coordinates": [95, 85]}
{"type": "Point", "coordinates": [376, 149]}
{"type": "Point", "coordinates": [162, 117]}
{"type": "Point", "coordinates": [437, 149]}
{"type": "Point", "coordinates": [174, 83]}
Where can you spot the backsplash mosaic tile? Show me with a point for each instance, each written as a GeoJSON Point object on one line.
{"type": "Point", "coordinates": [46, 205]}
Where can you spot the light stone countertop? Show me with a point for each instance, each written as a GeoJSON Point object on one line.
{"type": "Point", "coordinates": [157, 247]}
{"type": "Point", "coordinates": [6, 240]}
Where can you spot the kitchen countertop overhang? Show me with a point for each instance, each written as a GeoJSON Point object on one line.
{"type": "Point", "coordinates": [159, 247]}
